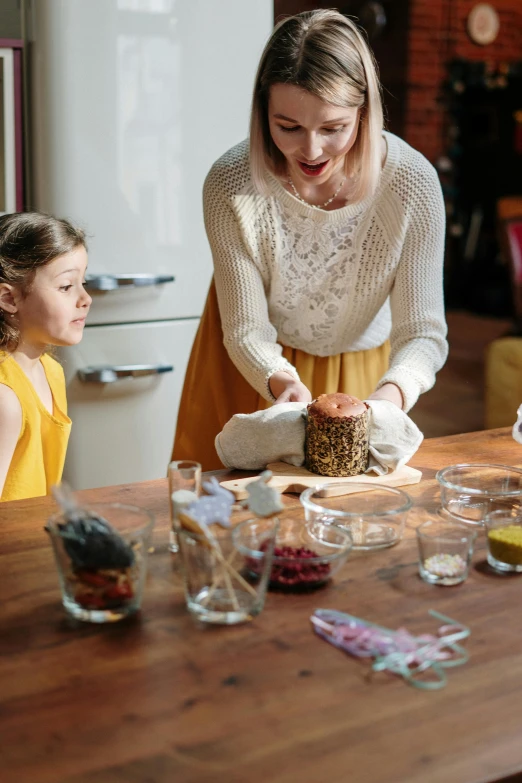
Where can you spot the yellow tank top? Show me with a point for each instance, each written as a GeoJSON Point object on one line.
{"type": "Point", "coordinates": [39, 455]}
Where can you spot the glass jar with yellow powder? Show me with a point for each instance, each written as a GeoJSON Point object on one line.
{"type": "Point", "coordinates": [504, 537]}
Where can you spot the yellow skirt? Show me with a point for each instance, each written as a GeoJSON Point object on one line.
{"type": "Point", "coordinates": [214, 389]}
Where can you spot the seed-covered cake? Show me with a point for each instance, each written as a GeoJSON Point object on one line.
{"type": "Point", "coordinates": [337, 436]}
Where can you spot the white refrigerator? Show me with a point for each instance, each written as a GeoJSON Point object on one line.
{"type": "Point", "coordinates": [130, 102]}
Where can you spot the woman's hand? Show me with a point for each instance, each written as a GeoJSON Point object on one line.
{"type": "Point", "coordinates": [285, 388]}
{"type": "Point", "coordinates": [390, 392]}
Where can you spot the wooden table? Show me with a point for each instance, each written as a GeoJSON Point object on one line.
{"type": "Point", "coordinates": [159, 699]}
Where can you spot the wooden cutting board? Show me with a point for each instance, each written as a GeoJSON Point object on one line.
{"type": "Point", "coordinates": [289, 479]}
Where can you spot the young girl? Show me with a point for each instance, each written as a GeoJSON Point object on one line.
{"type": "Point", "coordinates": [42, 303]}
{"type": "Point", "coordinates": [327, 236]}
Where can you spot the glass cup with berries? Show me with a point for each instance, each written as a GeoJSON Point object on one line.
{"type": "Point", "coordinates": [101, 556]}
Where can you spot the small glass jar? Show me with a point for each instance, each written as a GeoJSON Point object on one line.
{"type": "Point", "coordinates": [504, 539]}
{"type": "Point", "coordinates": [184, 487]}
{"type": "Point", "coordinates": [445, 550]}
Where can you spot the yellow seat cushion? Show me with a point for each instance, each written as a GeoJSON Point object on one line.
{"type": "Point", "coordinates": [503, 393]}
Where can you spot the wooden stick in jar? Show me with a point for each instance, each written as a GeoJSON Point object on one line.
{"type": "Point", "coordinates": [192, 526]}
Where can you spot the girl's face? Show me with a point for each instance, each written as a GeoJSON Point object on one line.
{"type": "Point", "coordinates": [54, 311]}
{"type": "Point", "coordinates": [314, 136]}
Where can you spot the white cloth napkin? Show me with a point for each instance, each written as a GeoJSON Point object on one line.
{"type": "Point", "coordinates": [517, 426]}
{"type": "Point", "coordinates": [250, 441]}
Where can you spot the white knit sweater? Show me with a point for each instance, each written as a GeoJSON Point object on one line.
{"type": "Point", "coordinates": [330, 282]}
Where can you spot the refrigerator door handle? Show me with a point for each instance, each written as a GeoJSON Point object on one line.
{"type": "Point", "coordinates": [110, 373]}
{"type": "Point", "coordinates": [113, 282]}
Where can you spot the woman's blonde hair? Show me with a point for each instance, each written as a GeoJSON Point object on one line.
{"type": "Point", "coordinates": [324, 53]}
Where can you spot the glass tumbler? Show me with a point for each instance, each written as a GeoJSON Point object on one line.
{"type": "Point", "coordinates": [226, 577]}
{"type": "Point", "coordinates": [445, 551]}
{"type": "Point", "coordinates": [184, 487]}
{"type": "Point", "coordinates": [102, 560]}
{"type": "Point", "coordinates": [504, 537]}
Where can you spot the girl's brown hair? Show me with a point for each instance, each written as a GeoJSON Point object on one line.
{"type": "Point", "coordinates": [324, 53]}
{"type": "Point", "coordinates": [28, 241]}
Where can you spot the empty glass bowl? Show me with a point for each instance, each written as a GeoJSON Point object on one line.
{"type": "Point", "coordinates": [470, 491]}
{"type": "Point", "coordinates": [375, 517]}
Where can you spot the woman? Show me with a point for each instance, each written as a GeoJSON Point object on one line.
{"type": "Point", "coordinates": [327, 237]}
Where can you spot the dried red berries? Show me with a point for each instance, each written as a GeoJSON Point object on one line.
{"type": "Point", "coordinates": [101, 589]}
{"type": "Point", "coordinates": [100, 573]}
{"type": "Point", "coordinates": [292, 568]}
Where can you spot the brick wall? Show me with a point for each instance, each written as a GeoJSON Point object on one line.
{"type": "Point", "coordinates": [438, 34]}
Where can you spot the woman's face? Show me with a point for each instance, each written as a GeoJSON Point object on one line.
{"type": "Point", "coordinates": [314, 136]}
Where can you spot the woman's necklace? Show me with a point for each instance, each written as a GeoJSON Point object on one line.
{"type": "Point", "coordinates": [316, 206]}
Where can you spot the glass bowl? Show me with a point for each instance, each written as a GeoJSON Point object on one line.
{"type": "Point", "coordinates": [504, 538]}
{"type": "Point", "coordinates": [374, 516]}
{"type": "Point", "coordinates": [306, 555]}
{"type": "Point", "coordinates": [470, 491]}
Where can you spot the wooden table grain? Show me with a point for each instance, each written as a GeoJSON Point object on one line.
{"type": "Point", "coordinates": [161, 699]}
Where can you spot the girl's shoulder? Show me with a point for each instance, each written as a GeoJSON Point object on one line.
{"type": "Point", "coordinates": [9, 403]}
{"type": "Point", "coordinates": [11, 414]}
{"type": "Point", "coordinates": [13, 378]}
{"type": "Point", "coordinates": [52, 367]}
{"type": "Point", "coordinates": [8, 369]}
{"type": "Point", "coordinates": [230, 174]}
{"type": "Point", "coordinates": [56, 378]}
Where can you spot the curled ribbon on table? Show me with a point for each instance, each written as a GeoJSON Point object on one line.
{"type": "Point", "coordinates": [398, 652]}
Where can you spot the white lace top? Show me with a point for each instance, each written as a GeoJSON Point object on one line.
{"type": "Point", "coordinates": [330, 282]}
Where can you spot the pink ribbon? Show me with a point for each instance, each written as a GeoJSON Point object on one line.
{"type": "Point", "coordinates": [396, 651]}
